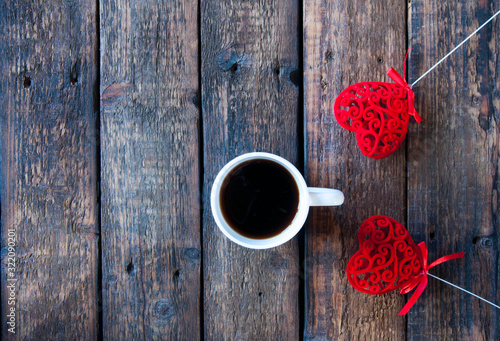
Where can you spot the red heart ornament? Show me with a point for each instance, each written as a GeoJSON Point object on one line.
{"type": "Point", "coordinates": [378, 113]}
{"type": "Point", "coordinates": [388, 260]}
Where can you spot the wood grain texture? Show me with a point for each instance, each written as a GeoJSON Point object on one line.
{"type": "Point", "coordinates": [453, 167]}
{"type": "Point", "coordinates": [48, 175]}
{"type": "Point", "coordinates": [250, 103]}
{"type": "Point", "coordinates": [151, 251]}
{"type": "Point", "coordinates": [346, 43]}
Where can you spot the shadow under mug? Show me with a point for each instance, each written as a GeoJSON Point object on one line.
{"type": "Point", "coordinates": [308, 196]}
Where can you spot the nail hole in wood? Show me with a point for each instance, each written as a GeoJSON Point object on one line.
{"type": "Point", "coordinates": [73, 78]}
{"type": "Point", "coordinates": [475, 240]}
{"type": "Point", "coordinates": [26, 82]}
{"type": "Point", "coordinates": [380, 60]}
{"type": "Point", "coordinates": [73, 73]}
{"type": "Point", "coordinates": [176, 273]}
{"type": "Point", "coordinates": [432, 232]}
{"type": "Point", "coordinates": [130, 268]}
{"type": "Point", "coordinates": [295, 77]}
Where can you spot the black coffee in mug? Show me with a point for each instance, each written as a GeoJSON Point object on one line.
{"type": "Point", "coordinates": [259, 198]}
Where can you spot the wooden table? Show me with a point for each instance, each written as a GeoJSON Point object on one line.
{"type": "Point", "coordinates": [117, 115]}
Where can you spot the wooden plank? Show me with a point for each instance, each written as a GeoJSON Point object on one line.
{"type": "Point", "coordinates": [48, 175]}
{"type": "Point", "coordinates": [249, 80]}
{"type": "Point", "coordinates": [453, 175]}
{"type": "Point", "coordinates": [151, 251]}
{"type": "Point", "coordinates": [346, 43]}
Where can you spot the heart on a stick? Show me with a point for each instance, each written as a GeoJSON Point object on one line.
{"type": "Point", "coordinates": [388, 260]}
{"type": "Point", "coordinates": [378, 113]}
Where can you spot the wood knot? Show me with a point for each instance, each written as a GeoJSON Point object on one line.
{"type": "Point", "coordinates": [276, 261]}
{"type": "Point", "coordinates": [231, 60]}
{"type": "Point", "coordinates": [485, 116]}
{"type": "Point", "coordinates": [195, 98]}
{"type": "Point", "coordinates": [193, 254]}
{"type": "Point", "coordinates": [329, 55]}
{"type": "Point", "coordinates": [113, 93]}
{"type": "Point", "coordinates": [228, 60]}
{"type": "Point", "coordinates": [485, 242]}
{"type": "Point", "coordinates": [110, 283]}
{"type": "Point", "coordinates": [164, 309]}
{"type": "Point", "coordinates": [324, 83]}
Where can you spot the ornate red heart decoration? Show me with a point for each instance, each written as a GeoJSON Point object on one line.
{"type": "Point", "coordinates": [388, 259]}
{"type": "Point", "coordinates": [378, 113]}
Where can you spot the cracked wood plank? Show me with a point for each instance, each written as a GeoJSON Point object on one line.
{"type": "Point", "coordinates": [453, 167]}
{"type": "Point", "coordinates": [346, 43]}
{"type": "Point", "coordinates": [250, 103]}
{"type": "Point", "coordinates": [151, 251]}
{"type": "Point", "coordinates": [48, 168]}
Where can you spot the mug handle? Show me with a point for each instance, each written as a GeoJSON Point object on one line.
{"type": "Point", "coordinates": [325, 197]}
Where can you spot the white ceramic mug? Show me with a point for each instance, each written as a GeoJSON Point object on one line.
{"type": "Point", "coordinates": [308, 196]}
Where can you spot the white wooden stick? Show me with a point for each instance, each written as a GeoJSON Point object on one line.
{"type": "Point", "coordinates": [453, 285]}
{"type": "Point", "coordinates": [449, 53]}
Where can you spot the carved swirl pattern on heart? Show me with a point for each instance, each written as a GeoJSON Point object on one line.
{"type": "Point", "coordinates": [388, 258]}
{"type": "Point", "coordinates": [377, 112]}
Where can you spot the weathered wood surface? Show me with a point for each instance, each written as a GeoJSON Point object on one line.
{"type": "Point", "coordinates": [48, 168]}
{"type": "Point", "coordinates": [151, 252]}
{"type": "Point", "coordinates": [167, 272]}
{"type": "Point", "coordinates": [249, 59]}
{"type": "Point", "coordinates": [453, 159]}
{"type": "Point", "coordinates": [346, 43]}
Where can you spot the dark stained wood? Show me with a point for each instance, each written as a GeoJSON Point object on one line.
{"type": "Point", "coordinates": [346, 43]}
{"type": "Point", "coordinates": [48, 161]}
{"type": "Point", "coordinates": [453, 167]}
{"type": "Point", "coordinates": [151, 251]}
{"type": "Point", "coordinates": [167, 272]}
{"type": "Point", "coordinates": [250, 103]}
